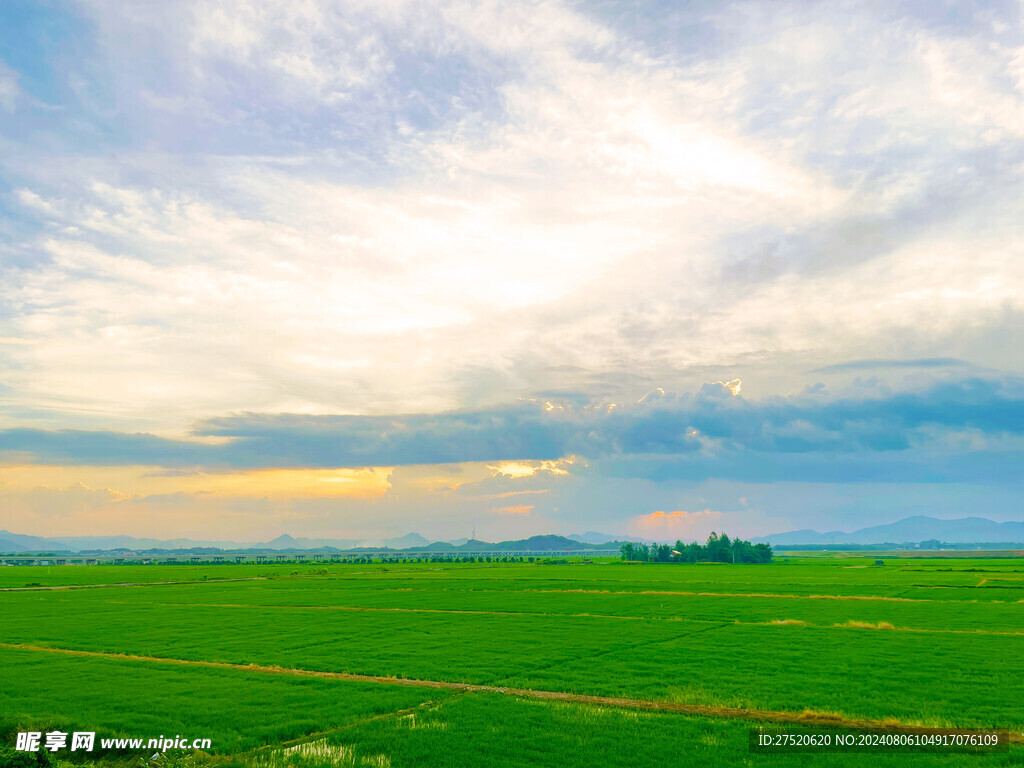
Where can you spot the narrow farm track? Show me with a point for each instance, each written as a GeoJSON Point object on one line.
{"type": "Point", "coordinates": [716, 622]}
{"type": "Point", "coordinates": [66, 587]}
{"type": "Point", "coordinates": [736, 713]}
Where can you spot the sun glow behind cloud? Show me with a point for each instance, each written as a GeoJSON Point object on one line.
{"type": "Point", "coordinates": [734, 386]}
{"type": "Point", "coordinates": [519, 469]}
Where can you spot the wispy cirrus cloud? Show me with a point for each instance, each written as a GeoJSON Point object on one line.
{"type": "Point", "coordinates": [382, 189]}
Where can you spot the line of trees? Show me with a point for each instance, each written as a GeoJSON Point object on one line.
{"type": "Point", "coordinates": [719, 549]}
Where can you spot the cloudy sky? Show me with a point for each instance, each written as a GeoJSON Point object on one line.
{"type": "Point", "coordinates": [354, 269]}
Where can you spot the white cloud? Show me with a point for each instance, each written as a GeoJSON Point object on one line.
{"type": "Point", "coordinates": [622, 211]}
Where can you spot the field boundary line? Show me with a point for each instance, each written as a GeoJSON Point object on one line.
{"type": "Point", "coordinates": [61, 587]}
{"type": "Point", "coordinates": [702, 710]}
{"type": "Point", "coordinates": [674, 619]}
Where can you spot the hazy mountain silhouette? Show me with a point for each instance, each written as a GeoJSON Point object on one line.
{"type": "Point", "coordinates": [965, 530]}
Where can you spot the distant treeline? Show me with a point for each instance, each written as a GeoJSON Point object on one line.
{"type": "Point", "coordinates": [719, 549]}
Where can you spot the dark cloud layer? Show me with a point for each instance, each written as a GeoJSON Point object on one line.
{"type": "Point", "coordinates": [691, 436]}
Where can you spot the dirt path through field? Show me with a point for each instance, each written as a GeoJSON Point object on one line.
{"type": "Point", "coordinates": [763, 715]}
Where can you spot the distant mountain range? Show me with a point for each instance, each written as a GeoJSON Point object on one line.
{"type": "Point", "coordinates": [288, 542]}
{"type": "Point", "coordinates": [15, 542]}
{"type": "Point", "coordinates": [544, 543]}
{"type": "Point", "coordinates": [965, 530]}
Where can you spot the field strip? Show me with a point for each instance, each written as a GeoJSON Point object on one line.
{"type": "Point", "coordinates": [128, 584]}
{"type": "Point", "coordinates": [735, 713]}
{"type": "Point", "coordinates": [884, 626]}
{"type": "Point", "coordinates": [667, 593]}
{"type": "Point", "coordinates": [646, 644]}
{"type": "Point", "coordinates": [679, 593]}
{"type": "Point", "coordinates": [783, 596]}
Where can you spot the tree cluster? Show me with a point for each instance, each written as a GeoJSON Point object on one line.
{"type": "Point", "coordinates": [718, 549]}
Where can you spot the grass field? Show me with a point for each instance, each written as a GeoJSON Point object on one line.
{"type": "Point", "coordinates": [699, 653]}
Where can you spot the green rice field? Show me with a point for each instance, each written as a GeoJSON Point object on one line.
{"type": "Point", "coordinates": [428, 664]}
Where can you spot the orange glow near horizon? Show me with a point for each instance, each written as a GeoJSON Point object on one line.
{"type": "Point", "coordinates": [138, 481]}
{"type": "Point", "coordinates": [368, 482]}
{"type": "Point", "coordinates": [144, 500]}
{"type": "Point", "coordinates": [679, 523]}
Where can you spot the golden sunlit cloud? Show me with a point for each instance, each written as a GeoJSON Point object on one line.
{"type": "Point", "coordinates": [734, 386]}
{"type": "Point", "coordinates": [659, 390]}
{"type": "Point", "coordinates": [520, 510]}
{"type": "Point", "coordinates": [507, 494]}
{"type": "Point", "coordinates": [515, 469]}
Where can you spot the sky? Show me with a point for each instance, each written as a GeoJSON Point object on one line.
{"type": "Point", "coordinates": [357, 269]}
